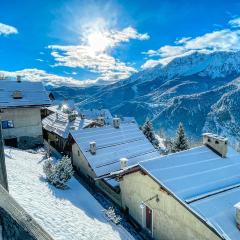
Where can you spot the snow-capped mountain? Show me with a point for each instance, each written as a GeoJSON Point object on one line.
{"type": "Point", "coordinates": [200, 89]}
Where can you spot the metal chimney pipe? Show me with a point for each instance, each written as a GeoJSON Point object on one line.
{"type": "Point", "coordinates": [3, 171]}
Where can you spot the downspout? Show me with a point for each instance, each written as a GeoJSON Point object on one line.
{"type": "Point", "coordinates": [3, 171]}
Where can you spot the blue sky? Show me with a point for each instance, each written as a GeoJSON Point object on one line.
{"type": "Point", "coordinates": [79, 42]}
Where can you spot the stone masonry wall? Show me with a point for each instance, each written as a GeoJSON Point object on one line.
{"type": "Point", "coordinates": [11, 230]}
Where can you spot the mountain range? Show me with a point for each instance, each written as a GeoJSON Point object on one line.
{"type": "Point", "coordinates": [199, 89]}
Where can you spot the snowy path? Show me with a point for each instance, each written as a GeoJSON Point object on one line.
{"type": "Point", "coordinates": [71, 214]}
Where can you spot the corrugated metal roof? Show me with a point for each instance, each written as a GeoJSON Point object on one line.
{"type": "Point", "coordinates": [205, 181]}
{"type": "Point", "coordinates": [112, 145]}
{"type": "Point", "coordinates": [33, 94]}
{"type": "Point", "coordinates": [59, 124]}
{"type": "Point", "coordinates": [219, 211]}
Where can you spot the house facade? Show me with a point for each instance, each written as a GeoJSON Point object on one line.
{"type": "Point", "coordinates": [98, 151]}
{"type": "Point", "coordinates": [192, 194]}
{"type": "Point", "coordinates": [20, 112]}
{"type": "Point", "coordinates": [158, 212]}
{"type": "Point", "coordinates": [57, 126]}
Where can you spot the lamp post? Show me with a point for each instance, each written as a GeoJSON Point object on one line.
{"type": "Point", "coordinates": [3, 172]}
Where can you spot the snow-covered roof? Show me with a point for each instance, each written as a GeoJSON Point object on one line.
{"type": "Point", "coordinates": [95, 113]}
{"type": "Point", "coordinates": [58, 123]}
{"type": "Point", "coordinates": [208, 183]}
{"type": "Point", "coordinates": [67, 105]}
{"type": "Point", "coordinates": [129, 120]}
{"type": "Point", "coordinates": [112, 144]}
{"type": "Point", "coordinates": [33, 94]}
{"type": "Point", "coordinates": [53, 108]}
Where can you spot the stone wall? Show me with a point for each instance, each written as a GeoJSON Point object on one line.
{"type": "Point", "coordinates": [11, 230]}
{"type": "Point", "coordinates": [16, 223]}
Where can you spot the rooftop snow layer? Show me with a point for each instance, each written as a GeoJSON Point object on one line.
{"type": "Point", "coordinates": [66, 104]}
{"type": "Point", "coordinates": [204, 180]}
{"type": "Point", "coordinates": [95, 113]}
{"type": "Point", "coordinates": [59, 123]}
{"type": "Point", "coordinates": [33, 94]}
{"type": "Point", "coordinates": [113, 144]}
{"type": "Point", "coordinates": [219, 210]}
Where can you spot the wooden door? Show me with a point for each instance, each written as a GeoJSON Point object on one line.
{"type": "Point", "coordinates": [149, 218]}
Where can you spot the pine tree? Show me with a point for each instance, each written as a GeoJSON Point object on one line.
{"type": "Point", "coordinates": [58, 174]}
{"type": "Point", "coordinates": [181, 142]}
{"type": "Point", "coordinates": [48, 169]}
{"type": "Point", "coordinates": [148, 131]}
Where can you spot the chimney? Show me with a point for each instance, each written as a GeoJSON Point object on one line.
{"type": "Point", "coordinates": [123, 163]}
{"type": "Point", "coordinates": [217, 143]}
{"type": "Point", "coordinates": [93, 147]}
{"type": "Point", "coordinates": [101, 120]}
{"type": "Point", "coordinates": [18, 78]}
{"type": "Point", "coordinates": [237, 206]}
{"type": "Point", "coordinates": [17, 94]}
{"type": "Point", "coordinates": [116, 122]}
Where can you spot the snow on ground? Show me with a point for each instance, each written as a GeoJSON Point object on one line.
{"type": "Point", "coordinates": [70, 214]}
{"type": "Point", "coordinates": [161, 142]}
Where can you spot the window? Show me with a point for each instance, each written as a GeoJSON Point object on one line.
{"type": "Point", "coordinates": [78, 153]}
{"type": "Point", "coordinates": [7, 124]}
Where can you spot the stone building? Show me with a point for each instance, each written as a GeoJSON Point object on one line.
{"type": "Point", "coordinates": [193, 194]}
{"type": "Point", "coordinates": [98, 151]}
{"type": "Point", "coordinates": [20, 112]}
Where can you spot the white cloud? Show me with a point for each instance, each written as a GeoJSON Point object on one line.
{"type": "Point", "coordinates": [150, 64]}
{"type": "Point", "coordinates": [39, 59]}
{"type": "Point", "coordinates": [52, 79]}
{"type": "Point", "coordinates": [7, 29]}
{"type": "Point", "coordinates": [227, 39]}
{"type": "Point", "coordinates": [235, 22]}
{"type": "Point", "coordinates": [93, 53]}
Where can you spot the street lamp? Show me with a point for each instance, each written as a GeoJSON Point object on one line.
{"type": "Point", "coordinates": [142, 204]}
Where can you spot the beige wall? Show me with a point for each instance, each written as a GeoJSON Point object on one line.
{"type": "Point", "coordinates": [116, 197]}
{"type": "Point", "coordinates": [27, 123]}
{"type": "Point", "coordinates": [80, 162]}
{"type": "Point", "coordinates": [171, 220]}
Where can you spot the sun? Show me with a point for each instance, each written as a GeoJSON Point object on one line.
{"type": "Point", "coordinates": [98, 42]}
